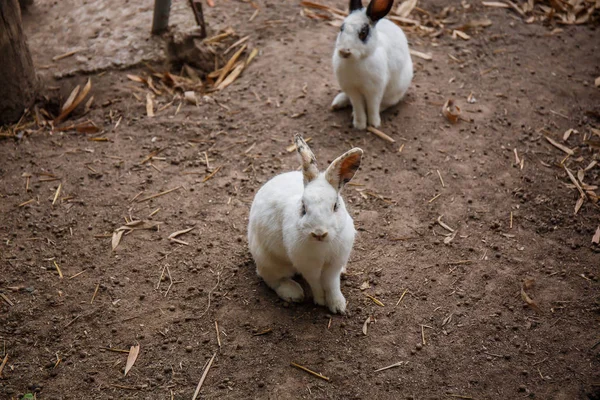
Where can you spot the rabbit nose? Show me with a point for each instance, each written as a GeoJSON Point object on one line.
{"type": "Point", "coordinates": [344, 53]}
{"type": "Point", "coordinates": [319, 235]}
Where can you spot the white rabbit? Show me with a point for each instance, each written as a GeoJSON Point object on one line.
{"type": "Point", "coordinates": [299, 224]}
{"type": "Point", "coordinates": [371, 62]}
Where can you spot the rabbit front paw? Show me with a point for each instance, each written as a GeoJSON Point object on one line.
{"type": "Point", "coordinates": [337, 303]}
{"type": "Point", "coordinates": [360, 123]}
{"type": "Point", "coordinates": [291, 291]}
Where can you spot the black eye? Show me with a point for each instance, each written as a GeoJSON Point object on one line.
{"type": "Point", "coordinates": [335, 207]}
{"type": "Point", "coordinates": [303, 210]}
{"type": "Point", "coordinates": [342, 28]}
{"type": "Point", "coordinates": [364, 32]}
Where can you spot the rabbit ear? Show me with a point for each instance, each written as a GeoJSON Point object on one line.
{"type": "Point", "coordinates": [343, 168]}
{"type": "Point", "coordinates": [309, 162]}
{"type": "Point", "coordinates": [355, 5]}
{"type": "Point", "coordinates": [378, 9]}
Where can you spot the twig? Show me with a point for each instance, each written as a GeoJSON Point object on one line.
{"type": "Point", "coordinates": [199, 16]}
{"type": "Point", "coordinates": [6, 299]}
{"type": "Point", "coordinates": [170, 280]}
{"type": "Point", "coordinates": [401, 297]}
{"type": "Point", "coordinates": [203, 377]}
{"type": "Point", "coordinates": [60, 274]}
{"type": "Point", "coordinates": [77, 274]}
{"type": "Point", "coordinates": [218, 335]}
{"type": "Point", "coordinates": [57, 193]}
{"type": "Point", "coordinates": [159, 194]}
{"type": "Point", "coordinates": [380, 134]}
{"type": "Point", "coordinates": [73, 320]}
{"type": "Point", "coordinates": [207, 177]}
{"type": "Point", "coordinates": [95, 292]}
{"type": "Point", "coordinates": [4, 361]}
{"type": "Point", "coordinates": [376, 301]}
{"type": "Point", "coordinates": [441, 180]}
{"type": "Point", "coordinates": [399, 363]}
{"type": "Point", "coordinates": [293, 364]}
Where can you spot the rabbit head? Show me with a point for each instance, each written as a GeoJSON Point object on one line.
{"type": "Point", "coordinates": [322, 212]}
{"type": "Point", "coordinates": [358, 36]}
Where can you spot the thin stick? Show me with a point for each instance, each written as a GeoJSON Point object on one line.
{"type": "Point", "coordinates": [203, 377]}
{"type": "Point", "coordinates": [161, 276]}
{"type": "Point", "coordinates": [399, 363]}
{"type": "Point", "coordinates": [4, 361]}
{"type": "Point", "coordinates": [26, 202]}
{"type": "Point", "coordinates": [440, 175]}
{"type": "Point", "coordinates": [458, 396]}
{"type": "Point", "coordinates": [310, 371]}
{"type": "Point", "coordinates": [434, 197]}
{"type": "Point", "coordinates": [60, 274]}
{"type": "Point", "coordinates": [170, 280]}
{"type": "Point", "coordinates": [115, 350]}
{"type": "Point", "coordinates": [423, 335]}
{"type": "Point", "coordinates": [73, 320]}
{"type": "Point", "coordinates": [95, 292]}
{"type": "Point", "coordinates": [207, 177]}
{"type": "Point", "coordinates": [159, 194]}
{"type": "Point", "coordinates": [136, 196]}
{"type": "Point", "coordinates": [77, 274]}
{"type": "Point", "coordinates": [511, 219]}
{"type": "Point", "coordinates": [380, 134]}
{"type": "Point", "coordinates": [401, 297]}
{"type": "Point", "coordinates": [218, 335]}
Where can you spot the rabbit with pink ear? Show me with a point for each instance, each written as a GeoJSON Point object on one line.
{"type": "Point", "coordinates": [299, 224]}
{"type": "Point", "coordinates": [371, 62]}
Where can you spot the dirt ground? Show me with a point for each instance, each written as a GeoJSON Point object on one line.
{"type": "Point", "coordinates": [461, 329]}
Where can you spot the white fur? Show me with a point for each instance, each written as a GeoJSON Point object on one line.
{"type": "Point", "coordinates": [281, 243]}
{"type": "Point", "coordinates": [377, 74]}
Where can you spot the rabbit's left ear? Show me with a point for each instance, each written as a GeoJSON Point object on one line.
{"type": "Point", "coordinates": [343, 168]}
{"type": "Point", "coordinates": [378, 9]}
{"type": "Point", "coordinates": [309, 162]}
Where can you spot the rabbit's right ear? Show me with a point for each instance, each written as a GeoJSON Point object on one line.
{"type": "Point", "coordinates": [343, 168]}
{"type": "Point", "coordinates": [355, 5]}
{"type": "Point", "coordinates": [309, 162]}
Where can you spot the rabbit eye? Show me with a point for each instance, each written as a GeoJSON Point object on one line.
{"type": "Point", "coordinates": [303, 210]}
{"type": "Point", "coordinates": [364, 32]}
{"type": "Point", "coordinates": [335, 207]}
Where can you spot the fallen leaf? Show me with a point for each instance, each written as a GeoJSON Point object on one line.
{"type": "Point", "coordinates": [71, 98]}
{"type": "Point", "coordinates": [447, 320]}
{"type": "Point", "coordinates": [451, 111]}
{"type": "Point", "coordinates": [74, 103]}
{"type": "Point", "coordinates": [579, 204]}
{"type": "Point", "coordinates": [460, 34]}
{"type": "Point", "coordinates": [136, 78]}
{"type": "Point", "coordinates": [424, 56]}
{"type": "Point", "coordinates": [134, 351]}
{"type": "Point", "coordinates": [116, 238]}
{"type": "Point", "coordinates": [175, 234]}
{"type": "Point", "coordinates": [568, 133]}
{"type": "Point", "coordinates": [365, 285]}
{"type": "Point", "coordinates": [495, 4]}
{"type": "Point", "coordinates": [559, 146]}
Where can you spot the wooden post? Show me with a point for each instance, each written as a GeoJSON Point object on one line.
{"type": "Point", "coordinates": [160, 22]}
{"type": "Point", "coordinates": [17, 75]}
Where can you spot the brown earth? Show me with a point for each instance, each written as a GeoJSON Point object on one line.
{"type": "Point", "coordinates": [480, 340]}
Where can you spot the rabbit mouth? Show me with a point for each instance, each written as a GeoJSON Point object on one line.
{"type": "Point", "coordinates": [344, 53]}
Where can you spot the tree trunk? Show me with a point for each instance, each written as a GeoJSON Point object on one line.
{"type": "Point", "coordinates": [17, 75]}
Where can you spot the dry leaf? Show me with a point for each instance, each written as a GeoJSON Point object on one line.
{"type": "Point", "coordinates": [134, 351]}
{"type": "Point", "coordinates": [460, 34]}
{"type": "Point", "coordinates": [496, 4]}
{"type": "Point", "coordinates": [365, 328]}
{"type": "Point", "coordinates": [175, 234]}
{"type": "Point", "coordinates": [136, 78]}
{"type": "Point", "coordinates": [579, 204]}
{"type": "Point", "coordinates": [424, 56]}
{"type": "Point", "coordinates": [66, 110]}
{"type": "Point", "coordinates": [231, 77]}
{"type": "Point", "coordinates": [559, 146]}
{"type": "Point", "coordinates": [149, 105]}
{"type": "Point", "coordinates": [447, 320]}
{"type": "Point", "coordinates": [596, 237]}
{"type": "Point", "coordinates": [116, 238]}
{"type": "Point", "coordinates": [71, 98]}
{"type": "Point", "coordinates": [405, 8]}
{"type": "Point", "coordinates": [451, 111]}
{"type": "Point", "coordinates": [230, 64]}
{"type": "Point", "coordinates": [568, 133]}
{"type": "Point", "coordinates": [253, 54]}
{"type": "Point", "coordinates": [365, 285]}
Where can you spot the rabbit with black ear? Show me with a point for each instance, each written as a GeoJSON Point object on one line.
{"type": "Point", "coordinates": [299, 224]}
{"type": "Point", "coordinates": [371, 61]}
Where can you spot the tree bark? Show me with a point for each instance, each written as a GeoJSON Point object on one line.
{"type": "Point", "coordinates": [17, 75]}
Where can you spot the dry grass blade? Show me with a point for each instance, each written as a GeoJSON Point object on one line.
{"type": "Point", "coordinates": [375, 300]}
{"type": "Point", "coordinates": [67, 109]}
{"type": "Point", "coordinates": [203, 377]}
{"type": "Point", "coordinates": [451, 111]}
{"type": "Point", "coordinates": [4, 361]}
{"type": "Point", "coordinates": [568, 133]}
{"type": "Point", "coordinates": [149, 105]}
{"type": "Point", "coordinates": [398, 364]}
{"type": "Point", "coordinates": [596, 237]}
{"type": "Point", "coordinates": [402, 297]}
{"type": "Point", "coordinates": [293, 364]}
{"type": "Point", "coordinates": [229, 66]}
{"type": "Point", "coordinates": [6, 299]}
{"type": "Point", "coordinates": [60, 274]}
{"type": "Point", "coordinates": [424, 56]}
{"type": "Point", "coordinates": [175, 234]}
{"type": "Point", "coordinates": [575, 182]}
{"type": "Point", "coordinates": [251, 57]}
{"type": "Point", "coordinates": [559, 146]}
{"type": "Point", "coordinates": [134, 351]}
{"type": "Point", "coordinates": [443, 225]}
{"type": "Point", "coordinates": [528, 283]}
{"type": "Point", "coordinates": [116, 238]}
{"type": "Point", "coordinates": [136, 78]}
{"type": "Point", "coordinates": [317, 6]}
{"type": "Point", "coordinates": [207, 177]}
{"type": "Point", "coordinates": [232, 76]}
{"type": "Point", "coordinates": [495, 4]}
{"type": "Point", "coordinates": [380, 134]}
{"type": "Point", "coordinates": [159, 194]}
{"type": "Point", "coordinates": [57, 193]}
{"type": "Point", "coordinates": [365, 328]}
